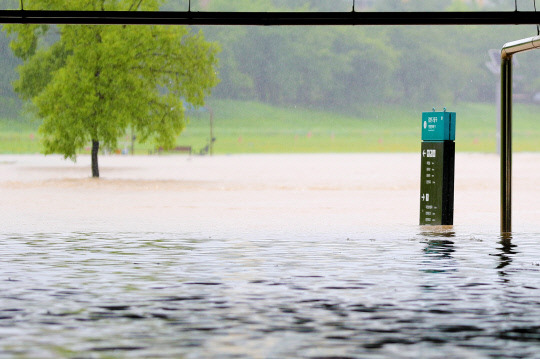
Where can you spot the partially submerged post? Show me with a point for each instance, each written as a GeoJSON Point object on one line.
{"type": "Point", "coordinates": [437, 168]}
{"type": "Point", "coordinates": [508, 50]}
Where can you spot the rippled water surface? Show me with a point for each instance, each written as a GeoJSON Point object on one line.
{"type": "Point", "coordinates": [430, 294]}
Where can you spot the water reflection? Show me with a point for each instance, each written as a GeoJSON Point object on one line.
{"type": "Point", "coordinates": [438, 250]}
{"type": "Point", "coordinates": [505, 254]}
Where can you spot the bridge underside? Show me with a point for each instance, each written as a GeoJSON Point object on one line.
{"type": "Point", "coordinates": [268, 18]}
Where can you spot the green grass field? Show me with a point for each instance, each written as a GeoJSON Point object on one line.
{"type": "Point", "coordinates": [247, 127]}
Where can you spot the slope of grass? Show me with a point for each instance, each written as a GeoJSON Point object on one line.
{"type": "Point", "coordinates": [248, 127]}
{"type": "Point", "coordinates": [19, 136]}
{"type": "Point", "coordinates": [244, 127]}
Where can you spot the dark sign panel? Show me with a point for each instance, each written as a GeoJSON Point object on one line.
{"type": "Point", "coordinates": [437, 183]}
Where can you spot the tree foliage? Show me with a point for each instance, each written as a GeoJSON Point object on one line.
{"type": "Point", "coordinates": [96, 81]}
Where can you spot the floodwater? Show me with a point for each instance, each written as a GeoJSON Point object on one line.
{"type": "Point", "coordinates": [289, 256]}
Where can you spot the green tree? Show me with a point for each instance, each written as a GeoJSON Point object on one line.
{"type": "Point", "coordinates": [95, 82]}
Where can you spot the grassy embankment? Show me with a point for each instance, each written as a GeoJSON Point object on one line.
{"type": "Point", "coordinates": [245, 127]}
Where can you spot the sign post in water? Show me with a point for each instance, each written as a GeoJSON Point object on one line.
{"type": "Point", "coordinates": [437, 170]}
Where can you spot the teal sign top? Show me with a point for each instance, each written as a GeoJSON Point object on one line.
{"type": "Point", "coordinates": [438, 126]}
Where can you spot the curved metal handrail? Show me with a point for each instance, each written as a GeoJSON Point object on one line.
{"type": "Point", "coordinates": [508, 50]}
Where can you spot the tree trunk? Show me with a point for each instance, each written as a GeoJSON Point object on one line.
{"type": "Point", "coordinates": [95, 167]}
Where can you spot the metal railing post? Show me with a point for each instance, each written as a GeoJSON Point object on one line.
{"type": "Point", "coordinates": [508, 50]}
{"type": "Point", "coordinates": [506, 145]}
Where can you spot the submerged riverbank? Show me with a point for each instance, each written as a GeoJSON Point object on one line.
{"type": "Point", "coordinates": [260, 194]}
